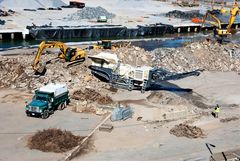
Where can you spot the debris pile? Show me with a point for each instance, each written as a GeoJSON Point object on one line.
{"type": "Point", "coordinates": [184, 15]}
{"type": "Point", "coordinates": [53, 140]}
{"type": "Point", "coordinates": [90, 13]}
{"type": "Point", "coordinates": [208, 55]}
{"type": "Point", "coordinates": [225, 120]}
{"type": "Point", "coordinates": [90, 95]}
{"type": "Point", "coordinates": [12, 72]}
{"type": "Point", "coordinates": [184, 130]}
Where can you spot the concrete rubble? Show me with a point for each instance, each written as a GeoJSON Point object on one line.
{"type": "Point", "coordinates": [16, 72]}
{"type": "Point", "coordinates": [90, 13]}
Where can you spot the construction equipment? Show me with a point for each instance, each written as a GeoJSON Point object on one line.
{"type": "Point", "coordinates": [218, 10]}
{"type": "Point", "coordinates": [69, 54]}
{"type": "Point", "coordinates": [218, 30]}
{"type": "Point", "coordinates": [103, 44]}
{"type": "Point", "coordinates": [47, 99]}
{"type": "Point", "coordinates": [107, 67]}
{"type": "Point", "coordinates": [102, 19]}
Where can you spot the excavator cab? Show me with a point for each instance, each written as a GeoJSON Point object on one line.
{"type": "Point", "coordinates": [106, 44]}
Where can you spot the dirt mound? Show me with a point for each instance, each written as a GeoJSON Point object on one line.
{"type": "Point", "coordinates": [90, 95]}
{"type": "Point", "coordinates": [229, 119]}
{"type": "Point", "coordinates": [53, 140]}
{"type": "Point", "coordinates": [184, 130]}
{"type": "Point", "coordinates": [166, 98]}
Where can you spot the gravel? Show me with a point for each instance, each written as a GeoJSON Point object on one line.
{"type": "Point", "coordinates": [184, 15]}
{"type": "Point", "coordinates": [90, 13]}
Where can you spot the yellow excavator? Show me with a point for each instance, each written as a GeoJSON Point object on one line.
{"type": "Point", "coordinates": [69, 54]}
{"type": "Point", "coordinates": [103, 44]}
{"type": "Point", "coordinates": [218, 10]}
{"type": "Point", "coordinates": [218, 30]}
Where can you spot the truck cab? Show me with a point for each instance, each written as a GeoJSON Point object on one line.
{"type": "Point", "coordinates": [48, 99]}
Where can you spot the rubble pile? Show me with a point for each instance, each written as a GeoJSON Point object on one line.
{"type": "Point", "coordinates": [208, 55]}
{"type": "Point", "coordinates": [54, 140]}
{"type": "Point", "coordinates": [184, 15]}
{"type": "Point", "coordinates": [225, 120]}
{"type": "Point", "coordinates": [90, 13]}
{"type": "Point", "coordinates": [12, 72]}
{"type": "Point", "coordinates": [184, 130]}
{"type": "Point", "coordinates": [90, 95]}
{"type": "Point", "coordinates": [134, 56]}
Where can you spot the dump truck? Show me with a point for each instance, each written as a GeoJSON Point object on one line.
{"type": "Point", "coordinates": [48, 99]}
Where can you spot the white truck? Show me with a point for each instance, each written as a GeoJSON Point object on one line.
{"type": "Point", "coordinates": [48, 99]}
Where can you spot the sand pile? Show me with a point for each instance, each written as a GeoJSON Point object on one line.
{"type": "Point", "coordinates": [31, 4]}
{"type": "Point", "coordinates": [54, 140]}
{"type": "Point", "coordinates": [184, 130]}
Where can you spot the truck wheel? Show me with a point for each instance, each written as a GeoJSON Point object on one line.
{"type": "Point", "coordinates": [62, 106]}
{"type": "Point", "coordinates": [45, 114]}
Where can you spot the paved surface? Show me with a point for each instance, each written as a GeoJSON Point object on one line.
{"type": "Point", "coordinates": [16, 127]}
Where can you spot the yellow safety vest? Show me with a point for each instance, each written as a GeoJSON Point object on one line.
{"type": "Point", "coordinates": [217, 110]}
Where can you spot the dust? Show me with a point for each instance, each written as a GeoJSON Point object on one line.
{"type": "Point", "coordinates": [54, 140]}
{"type": "Point", "coordinates": [184, 130]}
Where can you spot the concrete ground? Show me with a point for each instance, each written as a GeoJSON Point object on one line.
{"type": "Point", "coordinates": [16, 127]}
{"type": "Point", "coordinates": [130, 139]}
{"type": "Point", "coordinates": [137, 140]}
{"type": "Point", "coordinates": [129, 13]}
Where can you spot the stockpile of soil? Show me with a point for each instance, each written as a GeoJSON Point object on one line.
{"type": "Point", "coordinates": [225, 120]}
{"type": "Point", "coordinates": [90, 13]}
{"type": "Point", "coordinates": [90, 95]}
{"type": "Point", "coordinates": [184, 130]}
{"type": "Point", "coordinates": [53, 140]}
{"type": "Point", "coordinates": [184, 15]}
{"type": "Point", "coordinates": [166, 98]}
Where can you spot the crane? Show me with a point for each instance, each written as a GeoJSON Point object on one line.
{"type": "Point", "coordinates": [69, 54]}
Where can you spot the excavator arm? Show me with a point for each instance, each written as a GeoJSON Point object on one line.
{"type": "Point", "coordinates": [47, 44]}
{"type": "Point", "coordinates": [234, 12]}
{"type": "Point", "coordinates": [216, 21]}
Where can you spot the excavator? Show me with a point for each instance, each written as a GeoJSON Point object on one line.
{"type": "Point", "coordinates": [69, 54]}
{"type": "Point", "coordinates": [218, 30]}
{"type": "Point", "coordinates": [103, 44]}
{"type": "Point", "coordinates": [217, 10]}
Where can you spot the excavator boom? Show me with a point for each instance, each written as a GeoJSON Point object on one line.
{"type": "Point", "coordinates": [69, 54]}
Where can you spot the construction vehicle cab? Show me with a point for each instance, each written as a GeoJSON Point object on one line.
{"type": "Point", "coordinates": [102, 19]}
{"type": "Point", "coordinates": [106, 44]}
{"type": "Point", "coordinates": [69, 54]}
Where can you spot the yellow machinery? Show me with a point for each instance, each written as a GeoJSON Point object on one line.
{"type": "Point", "coordinates": [219, 31]}
{"type": "Point", "coordinates": [69, 54]}
{"type": "Point", "coordinates": [103, 44]}
{"type": "Point", "coordinates": [218, 11]}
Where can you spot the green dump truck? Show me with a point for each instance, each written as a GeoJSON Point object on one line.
{"type": "Point", "coordinates": [48, 99]}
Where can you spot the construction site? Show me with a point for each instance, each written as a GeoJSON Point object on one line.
{"type": "Point", "coordinates": [120, 80]}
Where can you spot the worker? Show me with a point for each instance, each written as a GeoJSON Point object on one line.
{"type": "Point", "coordinates": [216, 111]}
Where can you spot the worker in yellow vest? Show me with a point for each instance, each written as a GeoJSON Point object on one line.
{"type": "Point", "coordinates": [216, 111]}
